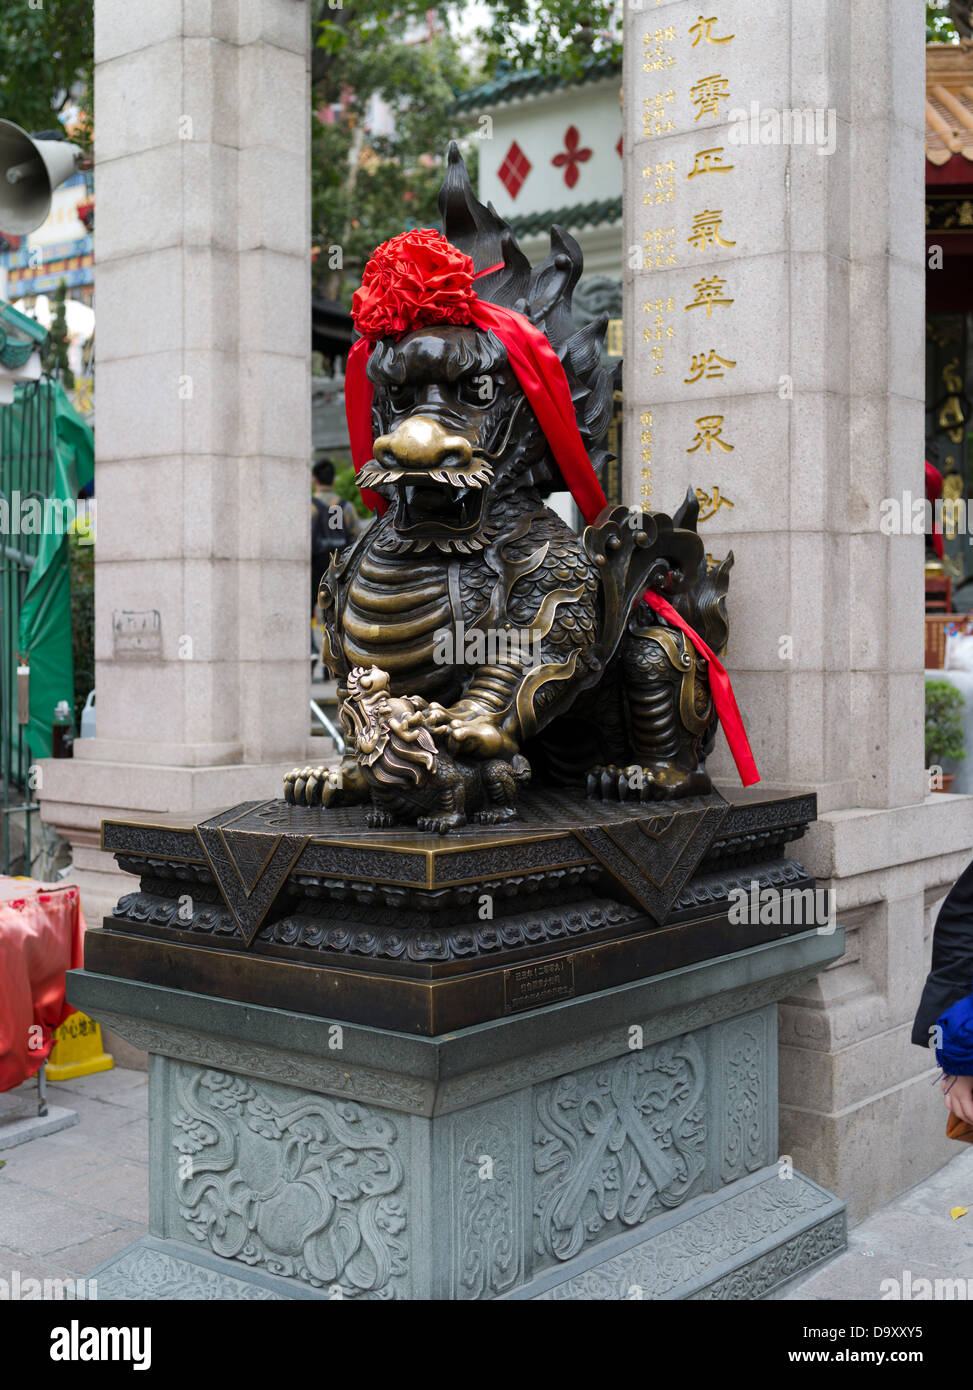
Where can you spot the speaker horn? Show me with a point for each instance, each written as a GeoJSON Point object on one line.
{"type": "Point", "coordinates": [30, 170]}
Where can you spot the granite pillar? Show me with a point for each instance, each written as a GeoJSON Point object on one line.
{"type": "Point", "coordinates": [203, 434]}
{"type": "Point", "coordinates": [774, 362]}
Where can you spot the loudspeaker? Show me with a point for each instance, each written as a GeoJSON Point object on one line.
{"type": "Point", "coordinates": [30, 170]}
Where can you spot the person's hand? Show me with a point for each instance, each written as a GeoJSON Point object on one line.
{"type": "Point", "coordinates": [958, 1091]}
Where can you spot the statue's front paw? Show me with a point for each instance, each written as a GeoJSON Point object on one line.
{"type": "Point", "coordinates": [379, 820]}
{"type": "Point", "coordinates": [611, 783]}
{"type": "Point", "coordinates": [310, 786]}
{"type": "Point", "coordinates": [496, 815]}
{"type": "Point", "coordinates": [656, 782]}
{"type": "Point", "coordinates": [479, 736]}
{"type": "Point", "coordinates": [441, 825]}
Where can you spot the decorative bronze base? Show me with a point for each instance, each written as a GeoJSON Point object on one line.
{"type": "Point", "coordinates": [307, 909]}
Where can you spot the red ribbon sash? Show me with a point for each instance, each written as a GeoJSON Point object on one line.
{"type": "Point", "coordinates": [358, 412]}
{"type": "Point", "coordinates": [719, 684]}
{"type": "Point", "coordinates": [541, 375]}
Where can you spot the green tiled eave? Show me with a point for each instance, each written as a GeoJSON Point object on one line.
{"type": "Point", "coordinates": [515, 86]}
{"type": "Point", "coordinates": [577, 215]}
{"type": "Point", "coordinates": [19, 336]}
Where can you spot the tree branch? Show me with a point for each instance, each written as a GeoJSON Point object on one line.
{"type": "Point", "coordinates": [322, 61]}
{"type": "Point", "coordinates": [959, 13]}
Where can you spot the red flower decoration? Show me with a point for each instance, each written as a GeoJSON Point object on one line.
{"type": "Point", "coordinates": [417, 278]}
{"type": "Point", "coordinates": [569, 162]}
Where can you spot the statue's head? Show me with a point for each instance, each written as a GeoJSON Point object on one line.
{"type": "Point", "coordinates": [461, 365]}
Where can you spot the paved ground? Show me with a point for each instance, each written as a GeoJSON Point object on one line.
{"type": "Point", "coordinates": [914, 1233]}
{"type": "Point", "coordinates": [71, 1200]}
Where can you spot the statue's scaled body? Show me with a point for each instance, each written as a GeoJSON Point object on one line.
{"type": "Point", "coordinates": [515, 638]}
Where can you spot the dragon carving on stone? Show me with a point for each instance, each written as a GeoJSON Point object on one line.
{"type": "Point", "coordinates": [513, 637]}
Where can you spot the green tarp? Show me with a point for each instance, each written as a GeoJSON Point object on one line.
{"type": "Point", "coordinates": [45, 616]}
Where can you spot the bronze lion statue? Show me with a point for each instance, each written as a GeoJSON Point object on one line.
{"type": "Point", "coordinates": [472, 395]}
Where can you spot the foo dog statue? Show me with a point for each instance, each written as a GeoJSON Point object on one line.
{"type": "Point", "coordinates": [408, 776]}
{"type": "Point", "coordinates": [470, 398]}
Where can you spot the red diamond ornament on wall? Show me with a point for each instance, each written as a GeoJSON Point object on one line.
{"type": "Point", "coordinates": [571, 157]}
{"type": "Point", "coordinates": [514, 169]}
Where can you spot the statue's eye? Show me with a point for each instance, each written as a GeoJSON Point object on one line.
{"type": "Point", "coordinates": [402, 397]}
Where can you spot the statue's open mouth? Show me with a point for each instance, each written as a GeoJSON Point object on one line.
{"type": "Point", "coordinates": [433, 502]}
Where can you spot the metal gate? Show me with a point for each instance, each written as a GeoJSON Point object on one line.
{"type": "Point", "coordinates": [27, 471]}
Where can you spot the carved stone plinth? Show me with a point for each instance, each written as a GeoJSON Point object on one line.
{"type": "Point", "coordinates": [618, 1144]}
{"type": "Point", "coordinates": [307, 909]}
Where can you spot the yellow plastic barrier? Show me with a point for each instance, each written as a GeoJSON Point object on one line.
{"type": "Point", "coordinates": [78, 1050]}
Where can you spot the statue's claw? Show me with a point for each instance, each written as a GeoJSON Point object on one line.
{"type": "Point", "coordinates": [309, 786]}
{"type": "Point", "coordinates": [441, 825]}
{"type": "Point", "coordinates": [603, 783]}
{"type": "Point", "coordinates": [496, 815]}
{"type": "Point", "coordinates": [659, 782]}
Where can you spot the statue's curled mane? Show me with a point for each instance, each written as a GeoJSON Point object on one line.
{"type": "Point", "coordinates": [542, 294]}
{"type": "Point", "coordinates": [370, 725]}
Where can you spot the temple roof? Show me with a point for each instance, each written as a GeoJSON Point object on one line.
{"type": "Point", "coordinates": [20, 336]}
{"type": "Point", "coordinates": [949, 101]}
{"type": "Point", "coordinates": [527, 82]}
{"type": "Point", "coordinates": [575, 216]}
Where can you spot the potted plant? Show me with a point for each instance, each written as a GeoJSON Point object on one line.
{"type": "Point", "coordinates": [944, 731]}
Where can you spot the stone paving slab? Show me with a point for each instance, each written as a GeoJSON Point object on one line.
{"type": "Point", "coordinates": [41, 1222]}
{"type": "Point", "coordinates": [128, 1089]}
{"type": "Point", "coordinates": [70, 1201]}
{"type": "Point", "coordinates": [20, 1101]}
{"type": "Point", "coordinates": [915, 1232]}
{"type": "Point", "coordinates": [14, 1132]}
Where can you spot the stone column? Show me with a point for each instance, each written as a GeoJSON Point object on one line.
{"type": "Point", "coordinates": [774, 361]}
{"type": "Point", "coordinates": [203, 420]}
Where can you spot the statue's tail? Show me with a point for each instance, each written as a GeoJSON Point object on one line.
{"type": "Point", "coordinates": [704, 606]}
{"type": "Point", "coordinates": [520, 768]}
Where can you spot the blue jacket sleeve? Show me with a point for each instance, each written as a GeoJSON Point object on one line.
{"type": "Point", "coordinates": [951, 976]}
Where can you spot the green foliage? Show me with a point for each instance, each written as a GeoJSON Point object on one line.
{"type": "Point", "coordinates": [944, 723]}
{"type": "Point", "coordinates": [367, 188]}
{"type": "Point", "coordinates": [939, 24]}
{"type": "Point", "coordinates": [521, 33]}
{"type": "Point", "coordinates": [348, 490]}
{"type": "Point", "coordinates": [82, 559]}
{"type": "Point", "coordinates": [55, 354]}
{"type": "Point", "coordinates": [44, 53]}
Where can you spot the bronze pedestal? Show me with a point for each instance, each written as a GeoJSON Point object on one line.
{"type": "Point", "coordinates": [307, 909]}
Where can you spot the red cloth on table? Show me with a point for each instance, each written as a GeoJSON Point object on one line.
{"type": "Point", "coordinates": [41, 935]}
